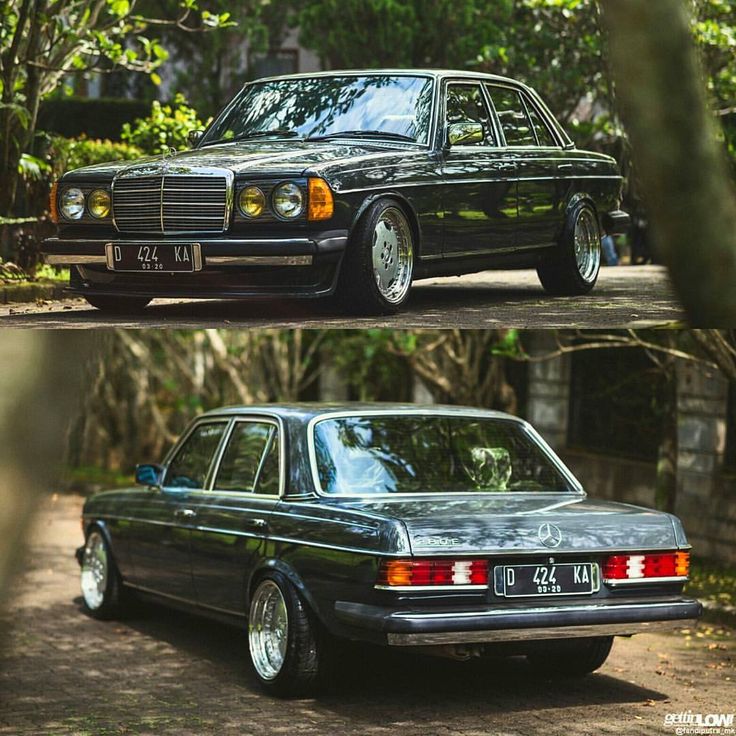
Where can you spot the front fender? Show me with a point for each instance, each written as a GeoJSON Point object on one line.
{"type": "Point", "coordinates": [408, 208]}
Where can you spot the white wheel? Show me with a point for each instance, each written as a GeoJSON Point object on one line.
{"type": "Point", "coordinates": [95, 571]}
{"type": "Point", "coordinates": [268, 630]}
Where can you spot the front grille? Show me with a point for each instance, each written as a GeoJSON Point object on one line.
{"type": "Point", "coordinates": [170, 203]}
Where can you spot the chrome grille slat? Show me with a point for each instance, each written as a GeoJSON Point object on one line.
{"type": "Point", "coordinates": [170, 203]}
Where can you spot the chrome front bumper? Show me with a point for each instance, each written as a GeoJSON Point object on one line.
{"type": "Point", "coordinates": [519, 623]}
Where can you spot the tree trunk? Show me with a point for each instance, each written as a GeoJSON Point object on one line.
{"type": "Point", "coordinates": [691, 201]}
{"type": "Point", "coordinates": [666, 488]}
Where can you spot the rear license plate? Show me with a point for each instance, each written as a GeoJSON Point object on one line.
{"type": "Point", "coordinates": [523, 581]}
{"type": "Point", "coordinates": [154, 257]}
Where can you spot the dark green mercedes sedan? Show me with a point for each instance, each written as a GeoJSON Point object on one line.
{"type": "Point", "coordinates": [352, 184]}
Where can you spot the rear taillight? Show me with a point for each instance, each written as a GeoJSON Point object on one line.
{"type": "Point", "coordinates": [432, 573]}
{"type": "Point", "coordinates": [646, 566]}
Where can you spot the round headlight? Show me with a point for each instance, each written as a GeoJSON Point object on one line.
{"type": "Point", "coordinates": [72, 203]}
{"type": "Point", "coordinates": [288, 200]}
{"type": "Point", "coordinates": [99, 203]}
{"type": "Point", "coordinates": [252, 201]}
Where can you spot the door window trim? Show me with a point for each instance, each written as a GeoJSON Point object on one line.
{"type": "Point", "coordinates": [492, 121]}
{"type": "Point", "coordinates": [214, 465]}
{"type": "Point", "coordinates": [253, 419]}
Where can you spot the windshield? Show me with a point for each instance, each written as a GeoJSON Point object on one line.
{"type": "Point", "coordinates": [366, 455]}
{"type": "Point", "coordinates": [393, 106]}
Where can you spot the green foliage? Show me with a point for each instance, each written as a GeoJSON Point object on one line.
{"type": "Point", "coordinates": [92, 117]}
{"type": "Point", "coordinates": [403, 33]}
{"type": "Point", "coordinates": [66, 154]}
{"type": "Point", "coordinates": [167, 126]}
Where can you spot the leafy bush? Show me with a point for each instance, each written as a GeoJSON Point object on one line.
{"type": "Point", "coordinates": [167, 126]}
{"type": "Point", "coordinates": [65, 154]}
{"type": "Point", "coordinates": [101, 117]}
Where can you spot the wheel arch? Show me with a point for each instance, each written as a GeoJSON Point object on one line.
{"type": "Point", "coordinates": [578, 198]}
{"type": "Point", "coordinates": [272, 564]}
{"type": "Point", "coordinates": [406, 207]}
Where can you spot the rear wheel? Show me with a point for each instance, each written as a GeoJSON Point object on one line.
{"type": "Point", "coordinates": [291, 654]}
{"type": "Point", "coordinates": [378, 265]}
{"type": "Point", "coordinates": [574, 267]}
{"type": "Point", "coordinates": [118, 304]}
{"type": "Point", "coordinates": [102, 586]}
{"type": "Point", "coordinates": [571, 657]}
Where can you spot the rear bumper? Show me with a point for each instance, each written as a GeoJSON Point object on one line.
{"type": "Point", "coordinates": [616, 222]}
{"type": "Point", "coordinates": [519, 623]}
{"type": "Point", "coordinates": [231, 267]}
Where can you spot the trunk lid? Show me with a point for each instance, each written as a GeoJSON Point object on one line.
{"type": "Point", "coordinates": [508, 524]}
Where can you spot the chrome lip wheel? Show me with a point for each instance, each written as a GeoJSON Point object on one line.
{"type": "Point", "coordinates": [94, 571]}
{"type": "Point", "coordinates": [587, 245]}
{"type": "Point", "coordinates": [268, 630]}
{"type": "Point", "coordinates": [393, 255]}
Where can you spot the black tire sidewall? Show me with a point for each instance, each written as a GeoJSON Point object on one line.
{"type": "Point", "coordinates": [298, 674]}
{"type": "Point", "coordinates": [111, 597]}
{"type": "Point", "coordinates": [569, 245]}
{"type": "Point", "coordinates": [357, 287]}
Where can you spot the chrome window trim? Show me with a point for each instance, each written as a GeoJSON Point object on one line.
{"type": "Point", "coordinates": [495, 145]}
{"type": "Point", "coordinates": [576, 488]}
{"type": "Point", "coordinates": [520, 92]}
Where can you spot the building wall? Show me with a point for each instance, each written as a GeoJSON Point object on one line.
{"type": "Point", "coordinates": [706, 490]}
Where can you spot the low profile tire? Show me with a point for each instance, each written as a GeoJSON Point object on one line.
{"type": "Point", "coordinates": [102, 587]}
{"type": "Point", "coordinates": [574, 267]}
{"type": "Point", "coordinates": [571, 657]}
{"type": "Point", "coordinates": [118, 304]}
{"type": "Point", "coordinates": [290, 653]}
{"type": "Point", "coordinates": [378, 266]}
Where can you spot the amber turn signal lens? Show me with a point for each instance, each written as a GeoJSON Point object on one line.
{"type": "Point", "coordinates": [682, 564]}
{"type": "Point", "coordinates": [321, 203]}
{"type": "Point", "coordinates": [397, 572]}
{"type": "Point", "coordinates": [53, 209]}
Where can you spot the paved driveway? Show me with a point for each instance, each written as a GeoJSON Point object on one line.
{"type": "Point", "coordinates": [163, 672]}
{"type": "Point", "coordinates": [628, 296]}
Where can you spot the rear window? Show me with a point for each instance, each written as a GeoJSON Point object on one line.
{"type": "Point", "coordinates": [364, 455]}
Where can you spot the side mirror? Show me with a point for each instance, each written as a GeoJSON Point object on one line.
{"type": "Point", "coordinates": [148, 475]}
{"type": "Point", "coordinates": [195, 136]}
{"type": "Point", "coordinates": [463, 134]}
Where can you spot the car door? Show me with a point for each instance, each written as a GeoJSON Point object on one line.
{"type": "Point", "coordinates": [233, 514]}
{"type": "Point", "coordinates": [536, 152]}
{"type": "Point", "coordinates": [478, 180]}
{"type": "Point", "coordinates": [164, 517]}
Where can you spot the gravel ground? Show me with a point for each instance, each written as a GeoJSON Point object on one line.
{"type": "Point", "coordinates": [628, 296]}
{"type": "Point", "coordinates": [162, 672]}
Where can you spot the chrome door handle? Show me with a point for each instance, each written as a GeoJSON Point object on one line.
{"type": "Point", "coordinates": [505, 166]}
{"type": "Point", "coordinates": [564, 166]}
{"type": "Point", "coordinates": [259, 523]}
{"type": "Point", "coordinates": [185, 513]}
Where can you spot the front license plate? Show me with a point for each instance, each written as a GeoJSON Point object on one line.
{"type": "Point", "coordinates": [523, 581]}
{"type": "Point", "coordinates": [154, 257]}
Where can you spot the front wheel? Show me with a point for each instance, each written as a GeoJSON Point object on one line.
{"type": "Point", "coordinates": [574, 268]}
{"type": "Point", "coordinates": [378, 265]}
{"type": "Point", "coordinates": [118, 304]}
{"type": "Point", "coordinates": [291, 654]}
{"type": "Point", "coordinates": [571, 657]}
{"type": "Point", "coordinates": [102, 588]}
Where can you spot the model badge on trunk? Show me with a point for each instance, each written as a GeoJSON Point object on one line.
{"type": "Point", "coordinates": [438, 541]}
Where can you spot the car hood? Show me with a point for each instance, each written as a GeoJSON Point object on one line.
{"type": "Point", "coordinates": [280, 158]}
{"type": "Point", "coordinates": [512, 523]}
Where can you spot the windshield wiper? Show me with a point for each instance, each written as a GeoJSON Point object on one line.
{"type": "Point", "coordinates": [276, 133]}
{"type": "Point", "coordinates": [363, 134]}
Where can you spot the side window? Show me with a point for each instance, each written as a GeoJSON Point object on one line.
{"type": "Point", "coordinates": [544, 136]}
{"type": "Point", "coordinates": [465, 105]}
{"type": "Point", "coordinates": [250, 463]}
{"type": "Point", "coordinates": [189, 467]}
{"type": "Point", "coordinates": [515, 123]}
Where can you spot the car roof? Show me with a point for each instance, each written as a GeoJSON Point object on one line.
{"type": "Point", "coordinates": [435, 73]}
{"type": "Point", "coordinates": [308, 410]}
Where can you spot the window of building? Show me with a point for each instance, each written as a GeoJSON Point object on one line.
{"type": "Point", "coordinates": [618, 403]}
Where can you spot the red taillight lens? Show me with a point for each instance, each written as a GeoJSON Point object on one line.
{"type": "Point", "coordinates": [414, 573]}
{"type": "Point", "coordinates": [646, 566]}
